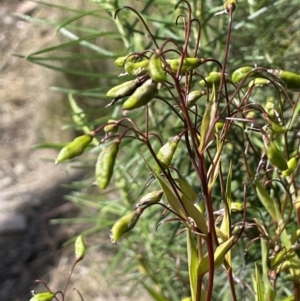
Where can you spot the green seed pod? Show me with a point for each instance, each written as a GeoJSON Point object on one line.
{"type": "Point", "coordinates": [79, 248]}
{"type": "Point", "coordinates": [105, 164]}
{"type": "Point", "coordinates": [165, 154]}
{"type": "Point", "coordinates": [138, 68]}
{"type": "Point", "coordinates": [274, 155]}
{"type": "Point", "coordinates": [156, 69]}
{"type": "Point", "coordinates": [188, 64]}
{"type": "Point", "coordinates": [150, 199]}
{"type": "Point", "coordinates": [237, 206]}
{"type": "Point", "coordinates": [124, 89]}
{"type": "Point", "coordinates": [229, 4]}
{"type": "Point", "coordinates": [269, 106]}
{"type": "Point", "coordinates": [43, 297]}
{"type": "Point", "coordinates": [241, 73]}
{"type": "Point", "coordinates": [292, 164]}
{"type": "Point", "coordinates": [212, 78]}
{"type": "Point", "coordinates": [291, 79]}
{"type": "Point", "coordinates": [141, 96]}
{"type": "Point", "coordinates": [259, 82]}
{"type": "Point", "coordinates": [251, 115]}
{"type": "Point", "coordinates": [75, 148]}
{"type": "Point", "coordinates": [274, 126]}
{"type": "Point", "coordinates": [194, 96]}
{"type": "Point", "coordinates": [124, 224]}
{"type": "Point", "coordinates": [111, 127]}
{"type": "Point", "coordinates": [121, 61]}
{"type": "Point", "coordinates": [219, 125]}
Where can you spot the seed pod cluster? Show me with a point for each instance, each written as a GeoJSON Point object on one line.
{"type": "Point", "coordinates": [124, 224]}
{"type": "Point", "coordinates": [74, 148]}
{"type": "Point", "coordinates": [150, 74]}
{"type": "Point", "coordinates": [165, 154]}
{"type": "Point", "coordinates": [105, 164]}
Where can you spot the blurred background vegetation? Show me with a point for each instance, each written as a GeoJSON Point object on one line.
{"type": "Point", "coordinates": [265, 33]}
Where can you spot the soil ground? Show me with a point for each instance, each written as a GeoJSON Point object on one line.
{"type": "Point", "coordinates": [31, 190]}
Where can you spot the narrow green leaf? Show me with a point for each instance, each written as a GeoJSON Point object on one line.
{"type": "Point", "coordinates": [56, 146]}
{"type": "Point", "coordinates": [75, 41]}
{"type": "Point", "coordinates": [187, 190]}
{"type": "Point", "coordinates": [193, 212]}
{"type": "Point", "coordinates": [214, 167]}
{"type": "Point", "coordinates": [72, 57]}
{"type": "Point", "coordinates": [207, 127]}
{"type": "Point", "coordinates": [61, 7]}
{"type": "Point", "coordinates": [155, 295]}
{"type": "Point", "coordinates": [77, 17]}
{"type": "Point", "coordinates": [295, 115]}
{"type": "Point", "coordinates": [79, 117]}
{"type": "Point", "coordinates": [219, 257]}
{"type": "Point", "coordinates": [192, 263]}
{"type": "Point", "coordinates": [259, 296]}
{"type": "Point", "coordinates": [84, 42]}
{"type": "Point", "coordinates": [225, 226]}
{"type": "Point", "coordinates": [74, 71]}
{"type": "Point", "coordinates": [289, 298]}
{"type": "Point", "coordinates": [270, 293]}
{"type": "Point", "coordinates": [267, 202]}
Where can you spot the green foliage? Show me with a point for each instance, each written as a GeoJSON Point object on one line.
{"type": "Point", "coordinates": [230, 190]}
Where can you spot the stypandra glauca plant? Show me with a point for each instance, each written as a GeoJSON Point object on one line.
{"type": "Point", "coordinates": [48, 294]}
{"type": "Point", "coordinates": [223, 171]}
